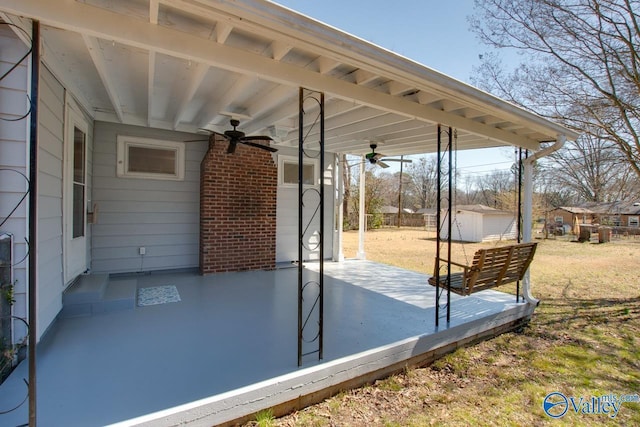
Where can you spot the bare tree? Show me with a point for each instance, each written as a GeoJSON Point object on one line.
{"type": "Point", "coordinates": [581, 63]}
{"type": "Point", "coordinates": [422, 185]}
{"type": "Point", "coordinates": [496, 189]}
{"type": "Point", "coordinates": [592, 169]}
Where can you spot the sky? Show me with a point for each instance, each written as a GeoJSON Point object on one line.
{"type": "Point", "coordinates": [434, 33]}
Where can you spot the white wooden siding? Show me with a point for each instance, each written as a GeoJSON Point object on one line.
{"type": "Point", "coordinates": [161, 216]}
{"type": "Point", "coordinates": [50, 173]}
{"type": "Point", "coordinates": [13, 155]}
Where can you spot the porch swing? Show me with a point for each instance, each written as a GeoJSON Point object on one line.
{"type": "Point", "coordinates": [490, 267]}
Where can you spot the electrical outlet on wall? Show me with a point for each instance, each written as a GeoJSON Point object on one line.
{"type": "Point", "coordinates": [142, 250]}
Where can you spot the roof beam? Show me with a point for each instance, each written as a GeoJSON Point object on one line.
{"type": "Point", "coordinates": [154, 10]}
{"type": "Point", "coordinates": [279, 50]}
{"type": "Point", "coordinates": [95, 22]}
{"type": "Point", "coordinates": [304, 32]}
{"type": "Point", "coordinates": [222, 32]}
{"type": "Point", "coordinates": [195, 80]}
{"type": "Point", "coordinates": [98, 60]}
{"type": "Point", "coordinates": [150, 84]}
{"type": "Point", "coordinates": [224, 103]}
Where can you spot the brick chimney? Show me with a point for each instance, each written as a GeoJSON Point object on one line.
{"type": "Point", "coordinates": [237, 209]}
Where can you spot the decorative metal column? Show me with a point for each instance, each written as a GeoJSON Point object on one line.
{"type": "Point", "coordinates": [519, 223]}
{"type": "Point", "coordinates": [441, 162]}
{"type": "Point", "coordinates": [310, 225]}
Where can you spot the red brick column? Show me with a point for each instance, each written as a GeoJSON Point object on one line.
{"type": "Point", "coordinates": [237, 209]}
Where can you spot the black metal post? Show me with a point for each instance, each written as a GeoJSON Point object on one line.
{"type": "Point", "coordinates": [321, 278]}
{"type": "Point", "coordinates": [438, 222]}
{"type": "Point", "coordinates": [300, 213]}
{"type": "Point", "coordinates": [449, 224]}
{"type": "Point", "coordinates": [33, 198]}
{"type": "Point", "coordinates": [314, 312]}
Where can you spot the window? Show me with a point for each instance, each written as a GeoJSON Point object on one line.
{"type": "Point", "coordinates": [150, 158]}
{"type": "Point", "coordinates": [634, 221]}
{"type": "Point", "coordinates": [288, 172]}
{"type": "Point", "coordinates": [79, 178]}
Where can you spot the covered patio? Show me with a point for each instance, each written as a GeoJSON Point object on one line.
{"type": "Point", "coordinates": [227, 349]}
{"type": "Point", "coordinates": [166, 77]}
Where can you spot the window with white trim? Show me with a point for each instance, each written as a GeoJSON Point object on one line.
{"type": "Point", "coordinates": [633, 221]}
{"type": "Point", "coordinates": [149, 158]}
{"type": "Point", "coordinates": [288, 172]}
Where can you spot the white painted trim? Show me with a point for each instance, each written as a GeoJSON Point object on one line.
{"type": "Point", "coordinates": [294, 160]}
{"type": "Point", "coordinates": [74, 249]}
{"type": "Point", "coordinates": [122, 160]}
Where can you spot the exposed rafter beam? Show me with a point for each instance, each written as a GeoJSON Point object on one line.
{"type": "Point", "coordinates": [150, 84]}
{"type": "Point", "coordinates": [222, 32]}
{"type": "Point", "coordinates": [96, 22]}
{"type": "Point", "coordinates": [290, 27]}
{"type": "Point", "coordinates": [279, 50]}
{"type": "Point", "coordinates": [224, 103]}
{"type": "Point", "coordinates": [154, 10]}
{"type": "Point", "coordinates": [195, 80]}
{"type": "Point", "coordinates": [363, 77]}
{"type": "Point", "coordinates": [396, 88]}
{"type": "Point", "coordinates": [326, 65]}
{"type": "Point", "coordinates": [98, 60]}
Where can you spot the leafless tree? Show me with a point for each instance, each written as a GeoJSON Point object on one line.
{"type": "Point", "coordinates": [592, 170]}
{"type": "Point", "coordinates": [496, 189]}
{"type": "Point", "coordinates": [421, 185]}
{"type": "Point", "coordinates": [580, 63]}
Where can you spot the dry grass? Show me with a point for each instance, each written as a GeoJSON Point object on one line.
{"type": "Point", "coordinates": [582, 341]}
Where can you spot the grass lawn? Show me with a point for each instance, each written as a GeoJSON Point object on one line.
{"type": "Point", "coordinates": [583, 341]}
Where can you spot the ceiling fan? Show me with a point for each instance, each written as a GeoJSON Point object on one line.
{"type": "Point", "coordinates": [236, 137]}
{"type": "Point", "coordinates": [379, 159]}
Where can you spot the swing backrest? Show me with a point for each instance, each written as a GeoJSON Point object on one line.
{"type": "Point", "coordinates": [498, 266]}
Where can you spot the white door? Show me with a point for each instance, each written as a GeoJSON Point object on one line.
{"type": "Point", "coordinates": [75, 195]}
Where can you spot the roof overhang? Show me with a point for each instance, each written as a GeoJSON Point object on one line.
{"type": "Point", "coordinates": [190, 64]}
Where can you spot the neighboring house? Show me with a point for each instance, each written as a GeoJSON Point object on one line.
{"type": "Point", "coordinates": [123, 85]}
{"type": "Point", "coordinates": [478, 223]}
{"type": "Point", "coordinates": [619, 214]}
{"type": "Point", "coordinates": [616, 214]}
{"type": "Point", "coordinates": [571, 216]}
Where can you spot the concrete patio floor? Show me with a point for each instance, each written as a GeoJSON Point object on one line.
{"type": "Point", "coordinates": [228, 348]}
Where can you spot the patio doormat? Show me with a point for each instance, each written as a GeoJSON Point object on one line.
{"type": "Point", "coordinates": [157, 295]}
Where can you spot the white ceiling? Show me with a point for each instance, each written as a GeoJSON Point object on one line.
{"type": "Point", "coordinates": [190, 64]}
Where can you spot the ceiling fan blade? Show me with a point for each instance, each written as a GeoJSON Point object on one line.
{"type": "Point", "coordinates": [398, 160]}
{"type": "Point", "coordinates": [253, 144]}
{"type": "Point", "coordinates": [232, 147]}
{"type": "Point", "coordinates": [382, 164]}
{"type": "Point", "coordinates": [257, 138]}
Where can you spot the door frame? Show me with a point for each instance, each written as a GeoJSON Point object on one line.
{"type": "Point", "coordinates": [75, 250]}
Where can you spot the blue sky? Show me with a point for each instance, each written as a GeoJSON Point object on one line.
{"type": "Point", "coordinates": [434, 33]}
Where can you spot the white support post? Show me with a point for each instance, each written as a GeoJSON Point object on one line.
{"type": "Point", "coordinates": [527, 221]}
{"type": "Point", "coordinates": [527, 214]}
{"type": "Point", "coordinates": [338, 254]}
{"type": "Point", "coordinates": [361, 214]}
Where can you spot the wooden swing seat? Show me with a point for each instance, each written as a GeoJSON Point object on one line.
{"type": "Point", "coordinates": [490, 268]}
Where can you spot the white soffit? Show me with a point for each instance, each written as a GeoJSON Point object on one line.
{"type": "Point", "coordinates": [187, 64]}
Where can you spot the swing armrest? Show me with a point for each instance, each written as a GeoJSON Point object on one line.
{"type": "Point", "coordinates": [457, 264]}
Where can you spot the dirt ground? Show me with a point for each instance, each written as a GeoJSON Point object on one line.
{"type": "Point", "coordinates": [584, 341]}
